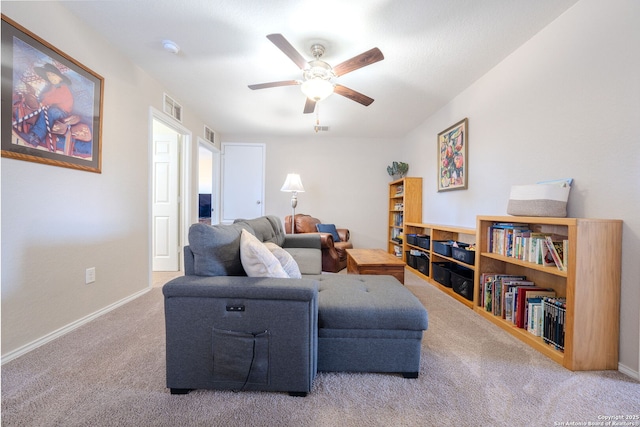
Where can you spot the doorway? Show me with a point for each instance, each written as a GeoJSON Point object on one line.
{"type": "Point", "coordinates": [208, 183]}
{"type": "Point", "coordinates": [169, 198]}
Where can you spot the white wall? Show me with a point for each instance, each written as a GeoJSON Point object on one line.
{"type": "Point", "coordinates": [345, 181]}
{"type": "Point", "coordinates": [57, 222]}
{"type": "Point", "coordinates": [565, 104]}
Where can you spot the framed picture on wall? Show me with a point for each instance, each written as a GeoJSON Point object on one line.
{"type": "Point", "coordinates": [452, 157]}
{"type": "Point", "coordinates": [55, 113]}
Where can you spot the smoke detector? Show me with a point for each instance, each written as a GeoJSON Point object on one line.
{"type": "Point", "coordinates": [170, 46]}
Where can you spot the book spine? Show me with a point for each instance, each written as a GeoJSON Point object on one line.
{"type": "Point", "coordinates": [554, 253]}
{"type": "Point", "coordinates": [508, 306]}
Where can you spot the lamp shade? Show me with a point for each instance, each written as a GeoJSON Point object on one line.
{"type": "Point", "coordinates": [317, 88]}
{"type": "Point", "coordinates": [293, 183]}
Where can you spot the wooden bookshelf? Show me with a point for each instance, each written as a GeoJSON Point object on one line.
{"type": "Point", "coordinates": [441, 233]}
{"type": "Point", "coordinates": [405, 205]}
{"type": "Point", "coordinates": [590, 284]}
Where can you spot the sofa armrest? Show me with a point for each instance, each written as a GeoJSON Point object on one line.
{"type": "Point", "coordinates": [217, 326]}
{"type": "Point", "coordinates": [344, 234]}
{"type": "Point", "coordinates": [241, 287]}
{"type": "Point", "coordinates": [304, 240]}
{"type": "Point", "coordinates": [306, 251]}
{"type": "Point", "coordinates": [326, 240]}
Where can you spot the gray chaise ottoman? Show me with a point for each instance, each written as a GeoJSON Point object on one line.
{"type": "Point", "coordinates": [368, 324]}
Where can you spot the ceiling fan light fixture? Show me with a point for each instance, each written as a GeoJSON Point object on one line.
{"type": "Point", "coordinates": [317, 88]}
{"type": "Point", "coordinates": [318, 77]}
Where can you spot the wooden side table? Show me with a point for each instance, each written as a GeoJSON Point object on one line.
{"type": "Point", "coordinates": [374, 261]}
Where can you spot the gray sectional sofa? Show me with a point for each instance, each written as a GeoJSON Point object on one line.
{"type": "Point", "coordinates": [225, 330]}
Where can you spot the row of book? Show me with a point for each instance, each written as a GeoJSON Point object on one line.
{"type": "Point", "coordinates": [519, 241]}
{"type": "Point", "coordinates": [553, 312]}
{"type": "Point", "coordinates": [519, 301]}
{"type": "Point", "coordinates": [397, 219]}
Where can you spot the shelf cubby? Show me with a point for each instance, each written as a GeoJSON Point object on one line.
{"type": "Point", "coordinates": [436, 233]}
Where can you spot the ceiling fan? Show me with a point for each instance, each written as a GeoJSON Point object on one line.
{"type": "Point", "coordinates": [318, 76]}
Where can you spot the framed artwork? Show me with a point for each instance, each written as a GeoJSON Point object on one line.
{"type": "Point", "coordinates": [452, 157]}
{"type": "Point", "coordinates": [55, 113]}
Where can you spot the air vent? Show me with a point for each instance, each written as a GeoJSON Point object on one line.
{"type": "Point", "coordinates": [172, 108]}
{"type": "Point", "coordinates": [321, 128]}
{"type": "Point", "coordinates": [209, 134]}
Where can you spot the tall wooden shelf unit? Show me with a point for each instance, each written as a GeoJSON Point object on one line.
{"type": "Point", "coordinates": [441, 232]}
{"type": "Point", "coordinates": [590, 284]}
{"type": "Point", "coordinates": [405, 205]}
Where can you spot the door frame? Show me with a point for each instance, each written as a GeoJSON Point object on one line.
{"type": "Point", "coordinates": [216, 176]}
{"type": "Point", "coordinates": [185, 185]}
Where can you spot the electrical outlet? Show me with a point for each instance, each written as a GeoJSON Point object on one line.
{"type": "Point", "coordinates": [90, 275]}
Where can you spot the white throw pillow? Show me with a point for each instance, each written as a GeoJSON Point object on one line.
{"type": "Point", "coordinates": [286, 260]}
{"type": "Point", "coordinates": [257, 260]}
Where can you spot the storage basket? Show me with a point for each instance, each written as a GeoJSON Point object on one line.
{"type": "Point", "coordinates": [462, 282]}
{"type": "Point", "coordinates": [462, 254]}
{"type": "Point", "coordinates": [442, 273]}
{"type": "Point", "coordinates": [423, 241]}
{"type": "Point", "coordinates": [411, 239]}
{"type": "Point", "coordinates": [442, 247]}
{"type": "Point", "coordinates": [422, 264]}
{"type": "Point", "coordinates": [411, 260]}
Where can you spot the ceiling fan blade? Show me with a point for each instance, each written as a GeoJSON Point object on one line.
{"type": "Point", "coordinates": [353, 95]}
{"type": "Point", "coordinates": [290, 51]}
{"type": "Point", "coordinates": [275, 84]}
{"type": "Point", "coordinates": [309, 106]}
{"type": "Point", "coordinates": [367, 58]}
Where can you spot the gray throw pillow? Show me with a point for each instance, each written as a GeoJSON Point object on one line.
{"type": "Point", "coordinates": [216, 249]}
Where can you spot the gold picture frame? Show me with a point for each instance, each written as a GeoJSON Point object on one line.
{"type": "Point", "coordinates": [55, 113]}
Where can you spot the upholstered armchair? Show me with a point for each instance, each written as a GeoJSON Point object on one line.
{"type": "Point", "coordinates": [334, 252]}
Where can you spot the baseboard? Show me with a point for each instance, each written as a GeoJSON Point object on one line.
{"type": "Point", "coordinates": [68, 328]}
{"type": "Point", "coordinates": [628, 371]}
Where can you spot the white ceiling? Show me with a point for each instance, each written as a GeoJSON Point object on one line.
{"type": "Point", "coordinates": [433, 50]}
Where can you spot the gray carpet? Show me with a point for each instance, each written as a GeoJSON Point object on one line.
{"type": "Point", "coordinates": [111, 373]}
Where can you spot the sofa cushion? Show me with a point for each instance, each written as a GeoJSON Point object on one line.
{"type": "Point", "coordinates": [329, 228]}
{"type": "Point", "coordinates": [348, 301]}
{"type": "Point", "coordinates": [216, 249]}
{"type": "Point", "coordinates": [257, 260]}
{"type": "Point", "coordinates": [265, 228]}
{"type": "Point", "coordinates": [287, 262]}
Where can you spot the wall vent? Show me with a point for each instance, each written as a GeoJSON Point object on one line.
{"type": "Point", "coordinates": [209, 134]}
{"type": "Point", "coordinates": [172, 108]}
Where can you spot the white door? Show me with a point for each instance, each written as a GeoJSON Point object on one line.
{"type": "Point", "coordinates": [165, 200]}
{"type": "Point", "coordinates": [242, 181]}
